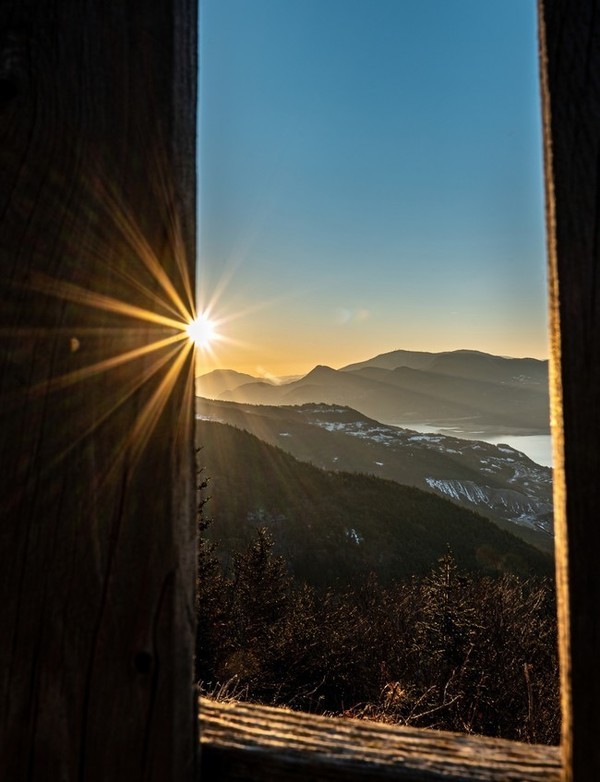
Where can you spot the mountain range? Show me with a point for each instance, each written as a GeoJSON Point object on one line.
{"type": "Point", "coordinates": [498, 482]}
{"type": "Point", "coordinates": [336, 527]}
{"type": "Point", "coordinates": [464, 389]}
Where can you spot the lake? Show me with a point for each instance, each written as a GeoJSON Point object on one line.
{"type": "Point", "coordinates": [537, 446]}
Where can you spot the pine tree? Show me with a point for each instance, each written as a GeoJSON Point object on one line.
{"type": "Point", "coordinates": [446, 632]}
{"type": "Point", "coordinates": [261, 587]}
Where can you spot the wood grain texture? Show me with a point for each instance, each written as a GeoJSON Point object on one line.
{"type": "Point", "coordinates": [245, 741]}
{"type": "Point", "coordinates": [97, 135]}
{"type": "Point", "coordinates": [570, 44]}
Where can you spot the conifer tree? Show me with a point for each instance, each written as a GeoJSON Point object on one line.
{"type": "Point", "coordinates": [261, 587]}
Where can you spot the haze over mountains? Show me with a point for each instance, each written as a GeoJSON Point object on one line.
{"type": "Point", "coordinates": [465, 389]}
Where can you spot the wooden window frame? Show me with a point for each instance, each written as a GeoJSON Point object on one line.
{"type": "Point", "coordinates": [95, 675]}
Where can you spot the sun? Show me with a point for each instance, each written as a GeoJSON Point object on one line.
{"type": "Point", "coordinates": [201, 331]}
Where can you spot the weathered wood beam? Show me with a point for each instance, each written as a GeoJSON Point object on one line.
{"type": "Point", "coordinates": [97, 136]}
{"type": "Point", "coordinates": [570, 44]}
{"type": "Point", "coordinates": [242, 741]}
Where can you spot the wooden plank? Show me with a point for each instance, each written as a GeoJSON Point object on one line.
{"type": "Point", "coordinates": [570, 39]}
{"type": "Point", "coordinates": [246, 741]}
{"type": "Point", "coordinates": [97, 135]}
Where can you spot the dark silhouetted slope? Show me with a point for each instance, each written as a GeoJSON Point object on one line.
{"type": "Point", "coordinates": [341, 526]}
{"type": "Point", "coordinates": [497, 481]}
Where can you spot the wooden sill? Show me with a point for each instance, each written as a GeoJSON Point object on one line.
{"type": "Point", "coordinates": [242, 741]}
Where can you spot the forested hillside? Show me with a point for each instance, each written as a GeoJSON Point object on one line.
{"type": "Point", "coordinates": [338, 527]}
{"type": "Point", "coordinates": [348, 594]}
{"type": "Point", "coordinates": [498, 482]}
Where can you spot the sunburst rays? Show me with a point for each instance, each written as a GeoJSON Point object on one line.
{"type": "Point", "coordinates": [110, 324]}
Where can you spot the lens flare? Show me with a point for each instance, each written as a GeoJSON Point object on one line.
{"type": "Point", "coordinates": [118, 344]}
{"type": "Point", "coordinates": [201, 331]}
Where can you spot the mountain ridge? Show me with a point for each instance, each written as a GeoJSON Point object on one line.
{"type": "Point", "coordinates": [472, 389]}
{"type": "Point", "coordinates": [418, 359]}
{"type": "Point", "coordinates": [497, 481]}
{"type": "Point", "coordinates": [338, 526]}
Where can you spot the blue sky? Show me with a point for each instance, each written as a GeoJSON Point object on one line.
{"type": "Point", "coordinates": [370, 179]}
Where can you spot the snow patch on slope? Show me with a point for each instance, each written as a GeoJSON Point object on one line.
{"type": "Point", "coordinates": [515, 505]}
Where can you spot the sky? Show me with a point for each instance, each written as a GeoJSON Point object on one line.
{"type": "Point", "coordinates": [370, 179]}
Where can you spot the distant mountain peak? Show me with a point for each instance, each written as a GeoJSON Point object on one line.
{"type": "Point", "coordinates": [321, 370]}
{"type": "Point", "coordinates": [224, 373]}
{"type": "Point", "coordinates": [214, 383]}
